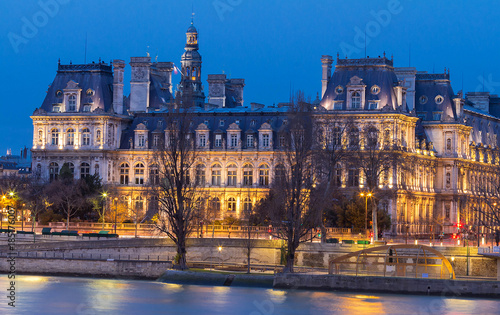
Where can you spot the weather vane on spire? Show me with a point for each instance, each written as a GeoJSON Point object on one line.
{"type": "Point", "coordinates": [192, 14]}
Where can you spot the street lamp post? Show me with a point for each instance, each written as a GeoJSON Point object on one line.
{"type": "Point", "coordinates": [116, 210]}
{"type": "Point", "coordinates": [366, 196]}
{"type": "Point", "coordinates": [104, 209]}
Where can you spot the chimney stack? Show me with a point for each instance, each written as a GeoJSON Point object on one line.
{"type": "Point", "coordinates": [326, 61]}
{"type": "Point", "coordinates": [118, 68]}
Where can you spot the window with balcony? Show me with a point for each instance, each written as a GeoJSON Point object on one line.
{"type": "Point", "coordinates": [264, 175]}
{"type": "Point", "coordinates": [216, 175]}
{"type": "Point", "coordinates": [247, 175]}
{"type": "Point", "coordinates": [139, 174]}
{"type": "Point", "coordinates": [55, 136]}
{"type": "Point", "coordinates": [231, 175]}
{"type": "Point", "coordinates": [86, 136]}
{"type": "Point", "coordinates": [70, 137]}
{"type": "Point", "coordinates": [124, 173]}
{"type": "Point", "coordinates": [231, 204]}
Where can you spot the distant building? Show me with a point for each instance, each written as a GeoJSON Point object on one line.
{"type": "Point", "coordinates": [16, 165]}
{"type": "Point", "coordinates": [87, 122]}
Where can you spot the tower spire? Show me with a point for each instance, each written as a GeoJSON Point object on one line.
{"type": "Point", "coordinates": [192, 14]}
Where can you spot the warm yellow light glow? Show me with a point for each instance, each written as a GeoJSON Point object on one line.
{"type": "Point", "coordinates": [482, 241]}
{"type": "Point", "coordinates": [34, 279]}
{"type": "Point", "coordinates": [416, 242]}
{"type": "Point", "coordinates": [11, 194]}
{"type": "Point", "coordinates": [104, 194]}
{"type": "Point", "coordinates": [362, 194]}
{"type": "Point", "coordinates": [430, 244]}
{"type": "Point", "coordinates": [458, 242]}
{"type": "Point", "coordinates": [452, 258]}
{"type": "Point", "coordinates": [220, 248]}
{"type": "Point", "coordinates": [369, 194]}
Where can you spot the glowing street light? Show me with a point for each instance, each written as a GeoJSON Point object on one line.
{"type": "Point", "coordinates": [104, 195]}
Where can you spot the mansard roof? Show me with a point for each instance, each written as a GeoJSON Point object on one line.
{"type": "Point", "coordinates": [94, 77]}
{"type": "Point", "coordinates": [429, 87]}
{"type": "Point", "coordinates": [371, 71]}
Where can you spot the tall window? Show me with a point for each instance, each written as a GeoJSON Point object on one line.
{"type": "Point", "coordinates": [139, 203]}
{"type": "Point", "coordinates": [218, 140]}
{"type": "Point", "coordinates": [72, 168]}
{"type": "Point", "coordinates": [55, 136]}
{"type": "Point", "coordinates": [353, 177]}
{"type": "Point", "coordinates": [70, 137]}
{"type": "Point", "coordinates": [234, 140]}
{"type": "Point", "coordinates": [72, 103]}
{"type": "Point", "coordinates": [247, 205]}
{"type": "Point", "coordinates": [216, 175]}
{"type": "Point", "coordinates": [247, 175]}
{"type": "Point", "coordinates": [264, 175]}
{"type": "Point", "coordinates": [337, 175]}
{"type": "Point", "coordinates": [202, 140]}
{"type": "Point", "coordinates": [337, 136]}
{"type": "Point", "coordinates": [231, 204]}
{"type": "Point", "coordinates": [231, 175]}
{"type": "Point", "coordinates": [124, 174]}
{"type": "Point", "coordinates": [53, 171]}
{"type": "Point", "coordinates": [282, 141]}
{"type": "Point", "coordinates": [249, 141]}
{"type": "Point", "coordinates": [141, 140]}
{"type": "Point", "coordinates": [96, 169]}
{"type": "Point", "coordinates": [371, 137]}
{"type": "Point", "coordinates": [279, 174]}
{"type": "Point", "coordinates": [98, 137]}
{"type": "Point", "coordinates": [86, 136]}
{"type": "Point", "coordinates": [40, 136]}
{"type": "Point", "coordinates": [354, 137]}
{"type": "Point", "coordinates": [265, 140]}
{"type": "Point", "coordinates": [156, 140]}
{"type": "Point", "coordinates": [214, 205]}
{"type": "Point", "coordinates": [200, 175]}
{"type": "Point", "coordinates": [355, 100]}
{"type": "Point", "coordinates": [84, 170]}
{"type": "Point", "coordinates": [154, 175]}
{"type": "Point", "coordinates": [139, 174]}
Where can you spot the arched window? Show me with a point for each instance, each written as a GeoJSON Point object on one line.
{"type": "Point", "coordinates": [231, 204]}
{"type": "Point", "coordinates": [86, 136]}
{"type": "Point", "coordinates": [231, 174]}
{"type": "Point", "coordinates": [353, 177]}
{"type": "Point", "coordinates": [38, 171]}
{"type": "Point", "coordinates": [72, 103]}
{"type": "Point", "coordinates": [154, 174]}
{"type": "Point", "coordinates": [355, 100]}
{"type": "Point", "coordinates": [200, 175]}
{"type": "Point", "coordinates": [55, 136]}
{"type": "Point", "coordinates": [247, 205]}
{"type": "Point", "coordinates": [124, 174]}
{"type": "Point", "coordinates": [216, 175]}
{"type": "Point", "coordinates": [40, 136]}
{"type": "Point", "coordinates": [353, 137]}
{"type": "Point", "coordinates": [371, 137]}
{"type": "Point", "coordinates": [139, 174]}
{"type": "Point", "coordinates": [264, 175]}
{"type": "Point", "coordinates": [247, 175]}
{"type": "Point", "coordinates": [70, 137]}
{"type": "Point", "coordinates": [98, 137]}
{"type": "Point", "coordinates": [71, 168]}
{"type": "Point", "coordinates": [53, 171]}
{"type": "Point", "coordinates": [84, 170]}
{"type": "Point", "coordinates": [214, 208]}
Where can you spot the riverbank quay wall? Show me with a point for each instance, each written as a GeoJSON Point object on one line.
{"type": "Point", "coordinates": [439, 287]}
{"type": "Point", "coordinates": [122, 269]}
{"type": "Point", "coordinates": [465, 261]}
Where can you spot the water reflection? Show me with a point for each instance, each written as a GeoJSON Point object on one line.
{"type": "Point", "coordinates": [52, 295]}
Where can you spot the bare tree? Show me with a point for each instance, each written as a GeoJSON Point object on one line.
{"type": "Point", "coordinates": [176, 193]}
{"type": "Point", "coordinates": [295, 203]}
{"type": "Point", "coordinates": [67, 196]}
{"type": "Point", "coordinates": [377, 156]}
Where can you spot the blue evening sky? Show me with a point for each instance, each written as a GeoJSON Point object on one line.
{"type": "Point", "coordinates": [275, 46]}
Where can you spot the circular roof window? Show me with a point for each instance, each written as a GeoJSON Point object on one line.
{"type": "Point", "coordinates": [339, 89]}
{"type": "Point", "coordinates": [59, 93]}
{"type": "Point", "coordinates": [439, 99]}
{"type": "Point", "coordinates": [423, 99]}
{"type": "Point", "coordinates": [90, 92]}
{"type": "Point", "coordinates": [375, 89]}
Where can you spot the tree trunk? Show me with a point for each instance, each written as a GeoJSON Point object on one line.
{"type": "Point", "coordinates": [290, 258]}
{"type": "Point", "coordinates": [67, 221]}
{"type": "Point", "coordinates": [323, 232]}
{"type": "Point", "coordinates": [374, 219]}
{"type": "Point", "coordinates": [181, 252]}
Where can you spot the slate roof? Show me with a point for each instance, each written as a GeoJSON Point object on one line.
{"type": "Point", "coordinates": [95, 76]}
{"type": "Point", "coordinates": [427, 88]}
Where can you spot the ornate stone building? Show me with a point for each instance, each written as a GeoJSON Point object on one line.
{"type": "Point", "coordinates": [449, 142]}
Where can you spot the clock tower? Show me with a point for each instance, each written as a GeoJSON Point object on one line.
{"type": "Point", "coordinates": [190, 92]}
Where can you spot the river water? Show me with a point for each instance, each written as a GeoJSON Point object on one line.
{"type": "Point", "coordinates": [63, 295]}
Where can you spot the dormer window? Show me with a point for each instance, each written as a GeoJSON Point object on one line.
{"type": "Point", "coordinates": [237, 121]}
{"type": "Point", "coordinates": [355, 100]}
{"type": "Point", "coordinates": [141, 140]}
{"type": "Point", "coordinates": [372, 105]}
{"type": "Point", "coordinates": [202, 140]}
{"type": "Point", "coordinates": [337, 105]}
{"type": "Point", "coordinates": [72, 103]}
{"type": "Point", "coordinates": [252, 122]}
{"type": "Point", "coordinates": [437, 116]}
{"type": "Point", "coordinates": [234, 140]}
{"type": "Point", "coordinates": [221, 123]}
{"type": "Point", "coordinates": [265, 140]}
{"type": "Point", "coordinates": [250, 141]}
{"type": "Point", "coordinates": [56, 108]}
{"type": "Point", "coordinates": [86, 108]}
{"type": "Point", "coordinates": [439, 99]}
{"type": "Point", "coordinates": [218, 140]}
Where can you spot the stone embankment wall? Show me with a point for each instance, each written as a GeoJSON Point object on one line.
{"type": "Point", "coordinates": [91, 268]}
{"type": "Point", "coordinates": [266, 252]}
{"type": "Point", "coordinates": [440, 287]}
